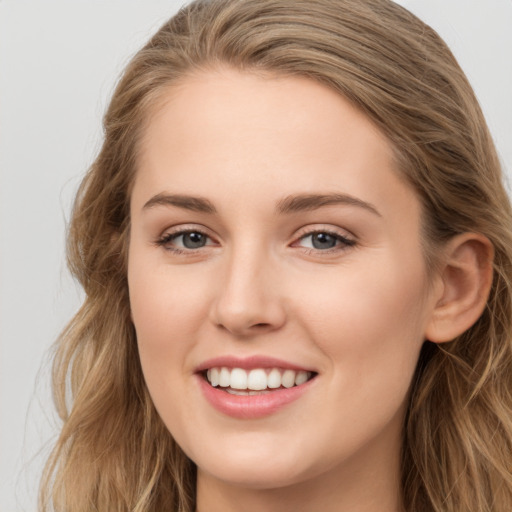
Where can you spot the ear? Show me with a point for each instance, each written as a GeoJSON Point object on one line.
{"type": "Point", "coordinates": [466, 278]}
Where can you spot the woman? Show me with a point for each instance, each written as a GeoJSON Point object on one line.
{"type": "Point", "coordinates": [295, 246]}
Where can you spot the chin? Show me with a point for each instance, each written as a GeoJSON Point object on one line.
{"type": "Point", "coordinates": [272, 475]}
{"type": "Point", "coordinates": [261, 465]}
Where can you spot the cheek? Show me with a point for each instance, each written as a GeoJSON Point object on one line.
{"type": "Point", "coordinates": [369, 322]}
{"type": "Point", "coordinates": [370, 327]}
{"type": "Point", "coordinates": [166, 312]}
{"type": "Point", "coordinates": [169, 307]}
{"type": "Point", "coordinates": [165, 299]}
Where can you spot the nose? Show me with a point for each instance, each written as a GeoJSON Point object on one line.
{"type": "Point", "coordinates": [249, 299]}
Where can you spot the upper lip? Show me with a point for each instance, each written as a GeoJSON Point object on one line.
{"type": "Point", "coordinates": [250, 363]}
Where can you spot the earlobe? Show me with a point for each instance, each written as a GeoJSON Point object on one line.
{"type": "Point", "coordinates": [466, 275]}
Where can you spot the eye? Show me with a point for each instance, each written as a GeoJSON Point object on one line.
{"type": "Point", "coordinates": [325, 241]}
{"type": "Point", "coordinates": [184, 240]}
{"type": "Point", "coordinates": [191, 240]}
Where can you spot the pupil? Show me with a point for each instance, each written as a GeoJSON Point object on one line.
{"type": "Point", "coordinates": [194, 240]}
{"type": "Point", "coordinates": [323, 241]}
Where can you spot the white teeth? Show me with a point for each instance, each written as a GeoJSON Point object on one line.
{"type": "Point", "coordinates": [274, 379]}
{"type": "Point", "coordinates": [300, 378]}
{"type": "Point", "coordinates": [257, 380]}
{"type": "Point", "coordinates": [244, 392]}
{"type": "Point", "coordinates": [288, 378]}
{"type": "Point", "coordinates": [224, 377]}
{"type": "Point", "coordinates": [237, 380]}
{"type": "Point", "coordinates": [214, 377]}
{"type": "Point", "coordinates": [238, 392]}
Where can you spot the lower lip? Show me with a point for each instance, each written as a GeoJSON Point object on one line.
{"type": "Point", "coordinates": [251, 406]}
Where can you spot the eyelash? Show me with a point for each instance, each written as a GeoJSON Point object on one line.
{"type": "Point", "coordinates": [343, 242]}
{"type": "Point", "coordinates": [167, 238]}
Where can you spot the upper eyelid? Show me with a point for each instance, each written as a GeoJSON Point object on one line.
{"type": "Point", "coordinates": [180, 230]}
{"type": "Point", "coordinates": [171, 233]}
{"type": "Point", "coordinates": [301, 232]}
{"type": "Point", "coordinates": [184, 228]}
{"type": "Point", "coordinates": [332, 230]}
{"type": "Point", "coordinates": [345, 240]}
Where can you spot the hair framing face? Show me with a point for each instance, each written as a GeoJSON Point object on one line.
{"type": "Point", "coordinates": [398, 72]}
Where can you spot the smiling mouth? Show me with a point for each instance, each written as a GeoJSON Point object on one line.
{"type": "Point", "coordinates": [258, 381]}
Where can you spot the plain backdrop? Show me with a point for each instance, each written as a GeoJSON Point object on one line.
{"type": "Point", "coordinates": [58, 63]}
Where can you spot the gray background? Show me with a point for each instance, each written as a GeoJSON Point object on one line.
{"type": "Point", "coordinates": [58, 63]}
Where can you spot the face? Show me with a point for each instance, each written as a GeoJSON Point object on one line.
{"type": "Point", "coordinates": [276, 277]}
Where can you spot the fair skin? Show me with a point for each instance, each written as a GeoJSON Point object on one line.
{"type": "Point", "coordinates": [335, 287]}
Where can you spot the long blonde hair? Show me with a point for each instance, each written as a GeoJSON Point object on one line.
{"type": "Point", "coordinates": [114, 453]}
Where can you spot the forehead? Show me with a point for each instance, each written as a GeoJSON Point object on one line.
{"type": "Point", "coordinates": [262, 136]}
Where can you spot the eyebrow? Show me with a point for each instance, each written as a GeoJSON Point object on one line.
{"type": "Point", "coordinates": [307, 202]}
{"type": "Point", "coordinates": [195, 204]}
{"type": "Point", "coordinates": [289, 204]}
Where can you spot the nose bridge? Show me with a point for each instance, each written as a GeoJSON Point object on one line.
{"type": "Point", "coordinates": [248, 297]}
